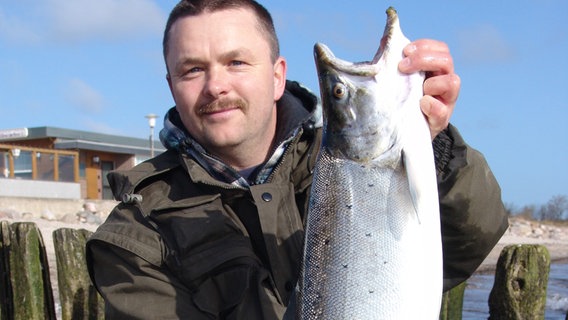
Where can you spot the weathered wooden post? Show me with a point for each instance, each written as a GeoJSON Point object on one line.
{"type": "Point", "coordinates": [28, 293]}
{"type": "Point", "coordinates": [79, 299]}
{"type": "Point", "coordinates": [452, 303]}
{"type": "Point", "coordinates": [521, 279]}
{"type": "Point", "coordinates": [6, 306]}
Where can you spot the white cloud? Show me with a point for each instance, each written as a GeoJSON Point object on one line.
{"type": "Point", "coordinates": [84, 97]}
{"type": "Point", "coordinates": [106, 19]}
{"type": "Point", "coordinates": [71, 21]}
{"type": "Point", "coordinates": [484, 43]}
{"type": "Point", "coordinates": [14, 30]}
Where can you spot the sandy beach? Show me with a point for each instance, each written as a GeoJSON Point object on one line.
{"type": "Point", "coordinates": [521, 231]}
{"type": "Point", "coordinates": [554, 237]}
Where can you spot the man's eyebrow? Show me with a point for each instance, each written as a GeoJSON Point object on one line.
{"type": "Point", "coordinates": [227, 56]}
{"type": "Point", "coordinates": [236, 53]}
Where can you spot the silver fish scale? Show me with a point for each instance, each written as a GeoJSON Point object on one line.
{"type": "Point", "coordinates": [348, 240]}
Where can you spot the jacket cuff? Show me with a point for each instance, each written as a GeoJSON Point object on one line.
{"type": "Point", "coordinates": [442, 146]}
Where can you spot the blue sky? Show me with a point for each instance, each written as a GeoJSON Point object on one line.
{"type": "Point", "coordinates": [97, 66]}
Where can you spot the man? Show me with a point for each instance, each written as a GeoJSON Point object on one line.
{"type": "Point", "coordinates": [213, 227]}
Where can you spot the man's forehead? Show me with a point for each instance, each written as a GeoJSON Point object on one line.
{"type": "Point", "coordinates": [242, 15]}
{"type": "Point", "coordinates": [226, 20]}
{"type": "Point", "coordinates": [225, 33]}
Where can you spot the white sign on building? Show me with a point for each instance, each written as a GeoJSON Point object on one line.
{"type": "Point", "coordinates": [8, 134]}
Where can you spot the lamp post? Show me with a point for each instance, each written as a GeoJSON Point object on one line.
{"type": "Point", "coordinates": [152, 123]}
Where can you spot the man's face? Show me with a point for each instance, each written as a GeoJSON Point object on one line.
{"type": "Point", "coordinates": [224, 82]}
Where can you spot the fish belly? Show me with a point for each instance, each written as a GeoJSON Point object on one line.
{"type": "Point", "coordinates": [368, 255]}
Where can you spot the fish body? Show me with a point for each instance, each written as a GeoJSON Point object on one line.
{"type": "Point", "coordinates": [373, 246]}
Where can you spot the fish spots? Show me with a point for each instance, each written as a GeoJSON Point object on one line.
{"type": "Point", "coordinates": [349, 206]}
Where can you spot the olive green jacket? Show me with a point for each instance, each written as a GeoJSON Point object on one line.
{"type": "Point", "coordinates": [184, 245]}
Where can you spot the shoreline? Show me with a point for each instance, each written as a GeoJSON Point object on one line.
{"type": "Point", "coordinates": [520, 231]}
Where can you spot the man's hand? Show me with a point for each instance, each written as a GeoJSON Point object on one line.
{"type": "Point", "coordinates": [442, 85]}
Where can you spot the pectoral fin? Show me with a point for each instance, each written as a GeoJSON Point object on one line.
{"type": "Point", "coordinates": [413, 176]}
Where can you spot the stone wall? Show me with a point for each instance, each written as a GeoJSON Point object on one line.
{"type": "Point", "coordinates": [39, 189]}
{"type": "Point", "coordinates": [52, 209]}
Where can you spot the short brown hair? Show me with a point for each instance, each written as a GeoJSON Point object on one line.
{"type": "Point", "coordinates": [195, 7]}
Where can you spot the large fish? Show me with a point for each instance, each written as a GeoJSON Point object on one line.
{"type": "Point", "coordinates": [373, 246]}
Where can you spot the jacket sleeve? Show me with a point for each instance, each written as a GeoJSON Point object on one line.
{"type": "Point", "coordinates": [473, 217]}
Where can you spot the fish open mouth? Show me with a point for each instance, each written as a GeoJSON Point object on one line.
{"type": "Point", "coordinates": [325, 59]}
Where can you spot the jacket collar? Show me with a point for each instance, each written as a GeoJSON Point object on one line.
{"type": "Point", "coordinates": [298, 110]}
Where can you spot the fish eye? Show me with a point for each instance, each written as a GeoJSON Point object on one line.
{"type": "Point", "coordinates": [339, 90]}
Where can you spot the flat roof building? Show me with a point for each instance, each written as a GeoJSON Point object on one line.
{"type": "Point", "coordinates": [51, 162]}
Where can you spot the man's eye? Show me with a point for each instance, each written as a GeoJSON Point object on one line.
{"type": "Point", "coordinates": [190, 72]}
{"type": "Point", "coordinates": [237, 63]}
{"type": "Point", "coordinates": [194, 70]}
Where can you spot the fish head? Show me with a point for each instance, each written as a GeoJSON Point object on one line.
{"type": "Point", "coordinates": [362, 101]}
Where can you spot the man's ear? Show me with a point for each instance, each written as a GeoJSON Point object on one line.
{"type": "Point", "coordinates": [279, 77]}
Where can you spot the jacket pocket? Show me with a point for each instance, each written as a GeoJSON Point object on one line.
{"type": "Point", "coordinates": [213, 257]}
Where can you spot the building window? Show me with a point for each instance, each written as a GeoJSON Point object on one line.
{"type": "Point", "coordinates": [66, 168]}
{"type": "Point", "coordinates": [23, 165]}
{"type": "Point", "coordinates": [4, 164]}
{"type": "Point", "coordinates": [45, 167]}
{"type": "Point", "coordinates": [38, 164]}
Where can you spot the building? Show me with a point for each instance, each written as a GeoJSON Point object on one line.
{"type": "Point", "coordinates": [49, 162]}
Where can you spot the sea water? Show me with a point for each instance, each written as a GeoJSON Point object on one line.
{"type": "Point", "coordinates": [479, 286]}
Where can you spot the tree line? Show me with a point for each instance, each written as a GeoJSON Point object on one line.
{"type": "Point", "coordinates": [554, 210]}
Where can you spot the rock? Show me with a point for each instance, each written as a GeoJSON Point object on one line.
{"type": "Point", "coordinates": [9, 214]}
{"type": "Point", "coordinates": [523, 230]}
{"type": "Point", "coordinates": [27, 216]}
{"type": "Point", "coordinates": [94, 219]}
{"type": "Point", "coordinates": [48, 215]}
{"type": "Point", "coordinates": [538, 232]}
{"type": "Point", "coordinates": [69, 218]}
{"type": "Point", "coordinates": [89, 217]}
{"type": "Point", "coordinates": [90, 206]}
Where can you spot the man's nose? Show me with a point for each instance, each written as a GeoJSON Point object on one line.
{"type": "Point", "coordinates": [217, 83]}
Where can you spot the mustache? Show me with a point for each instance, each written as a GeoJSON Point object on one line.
{"type": "Point", "coordinates": [222, 104]}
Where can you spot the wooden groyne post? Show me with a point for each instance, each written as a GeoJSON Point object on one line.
{"type": "Point", "coordinates": [452, 303]}
{"type": "Point", "coordinates": [521, 279]}
{"type": "Point", "coordinates": [79, 298]}
{"type": "Point", "coordinates": [25, 285]}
